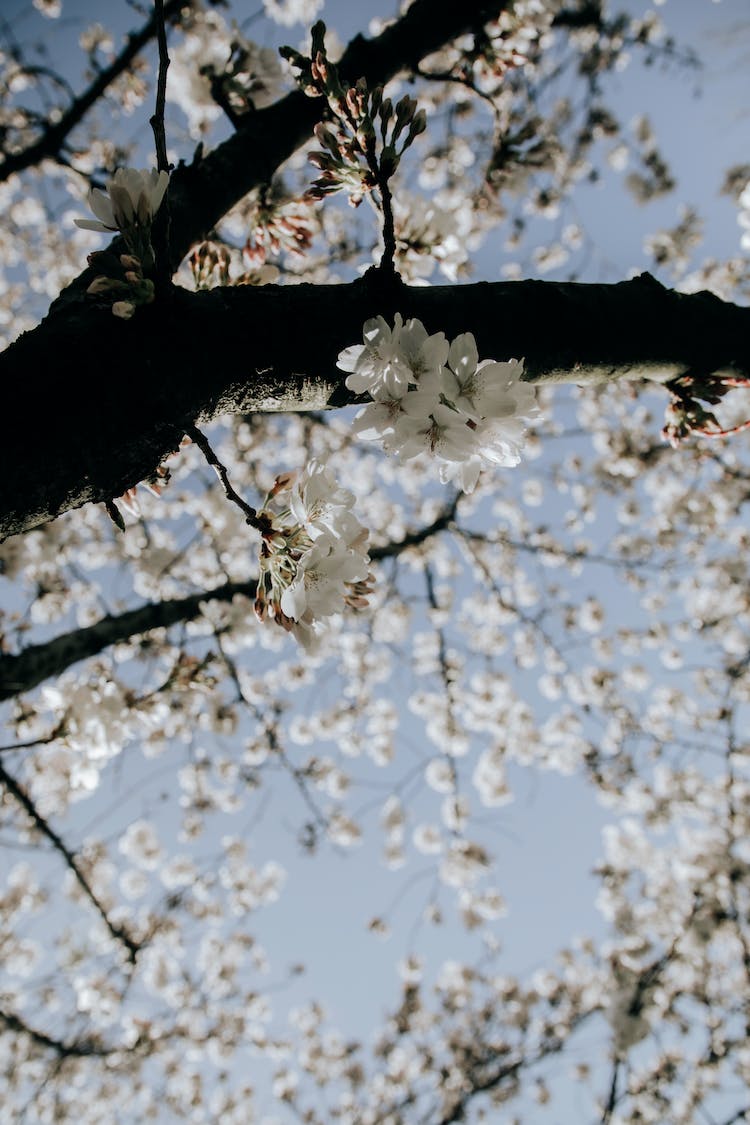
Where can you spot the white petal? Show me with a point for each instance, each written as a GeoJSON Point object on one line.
{"type": "Point", "coordinates": [158, 189]}
{"type": "Point", "coordinates": [101, 205]}
{"type": "Point", "coordinates": [294, 600]}
{"type": "Point", "coordinates": [348, 359]}
{"type": "Point", "coordinates": [122, 205]}
{"type": "Point", "coordinates": [90, 224]}
{"type": "Point", "coordinates": [463, 356]}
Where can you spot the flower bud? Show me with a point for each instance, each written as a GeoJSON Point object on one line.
{"type": "Point", "coordinates": [283, 482]}
{"type": "Point", "coordinates": [123, 309]}
{"type": "Point", "coordinates": [103, 284]}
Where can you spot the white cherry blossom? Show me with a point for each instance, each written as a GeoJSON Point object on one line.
{"type": "Point", "coordinates": [318, 587]}
{"type": "Point", "coordinates": [131, 199]}
{"type": "Point", "coordinates": [439, 399]}
{"type": "Point", "coordinates": [485, 389]}
{"type": "Point", "coordinates": [390, 360]}
{"type": "Point", "coordinates": [320, 505]}
{"type": "Point", "coordinates": [313, 558]}
{"type": "Point", "coordinates": [428, 426]}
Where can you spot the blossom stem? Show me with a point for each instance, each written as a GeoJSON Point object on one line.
{"type": "Point", "coordinates": [250, 514]}
{"type": "Point", "coordinates": [386, 209]}
{"type": "Point", "coordinates": [389, 233]}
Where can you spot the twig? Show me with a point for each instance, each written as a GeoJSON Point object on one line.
{"type": "Point", "coordinates": [157, 121]}
{"type": "Point", "coordinates": [442, 522]}
{"type": "Point", "coordinates": [17, 791]}
{"type": "Point", "coordinates": [161, 224]}
{"type": "Point", "coordinates": [609, 1109]}
{"type": "Point", "coordinates": [55, 134]}
{"type": "Point", "coordinates": [389, 232]}
{"type": "Point", "coordinates": [250, 514]}
{"type": "Point", "coordinates": [705, 432]}
{"type": "Point", "coordinates": [297, 775]}
{"type": "Point", "coordinates": [80, 1048]}
{"type": "Point", "coordinates": [45, 741]}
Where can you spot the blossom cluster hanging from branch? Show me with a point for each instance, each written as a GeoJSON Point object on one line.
{"type": "Point", "coordinates": [435, 397]}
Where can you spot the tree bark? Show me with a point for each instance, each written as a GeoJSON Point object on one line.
{"type": "Point", "coordinates": [94, 403]}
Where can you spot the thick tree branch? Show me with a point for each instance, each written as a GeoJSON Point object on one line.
{"type": "Point", "coordinates": [109, 399]}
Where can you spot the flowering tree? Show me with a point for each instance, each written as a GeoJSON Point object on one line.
{"type": "Point", "coordinates": [427, 572]}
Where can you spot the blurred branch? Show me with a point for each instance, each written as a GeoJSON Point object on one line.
{"type": "Point", "coordinates": [78, 1048]}
{"type": "Point", "coordinates": [56, 133]}
{"type": "Point", "coordinates": [33, 665]}
{"type": "Point", "coordinates": [40, 662]}
{"type": "Point", "coordinates": [42, 825]}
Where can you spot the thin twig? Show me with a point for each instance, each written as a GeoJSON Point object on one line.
{"type": "Point", "coordinates": [80, 1048]}
{"type": "Point", "coordinates": [297, 775]}
{"type": "Point", "coordinates": [722, 433]}
{"type": "Point", "coordinates": [157, 121]}
{"type": "Point", "coordinates": [56, 133]}
{"type": "Point", "coordinates": [250, 514]}
{"type": "Point", "coordinates": [161, 224]}
{"type": "Point", "coordinates": [16, 790]}
{"type": "Point", "coordinates": [609, 1109]}
{"type": "Point", "coordinates": [45, 741]}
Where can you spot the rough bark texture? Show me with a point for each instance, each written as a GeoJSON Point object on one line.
{"type": "Point", "coordinates": [93, 403]}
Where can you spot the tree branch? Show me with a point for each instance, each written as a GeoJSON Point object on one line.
{"type": "Point", "coordinates": [86, 445]}
{"type": "Point", "coordinates": [33, 665]}
{"type": "Point", "coordinates": [78, 1048]}
{"type": "Point", "coordinates": [16, 790]}
{"type": "Point", "coordinates": [38, 663]}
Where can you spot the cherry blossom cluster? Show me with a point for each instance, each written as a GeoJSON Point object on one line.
{"type": "Point", "coordinates": [432, 396]}
{"type": "Point", "coordinates": [313, 557]}
{"type": "Point", "coordinates": [128, 206]}
{"type": "Point", "coordinates": [276, 226]}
